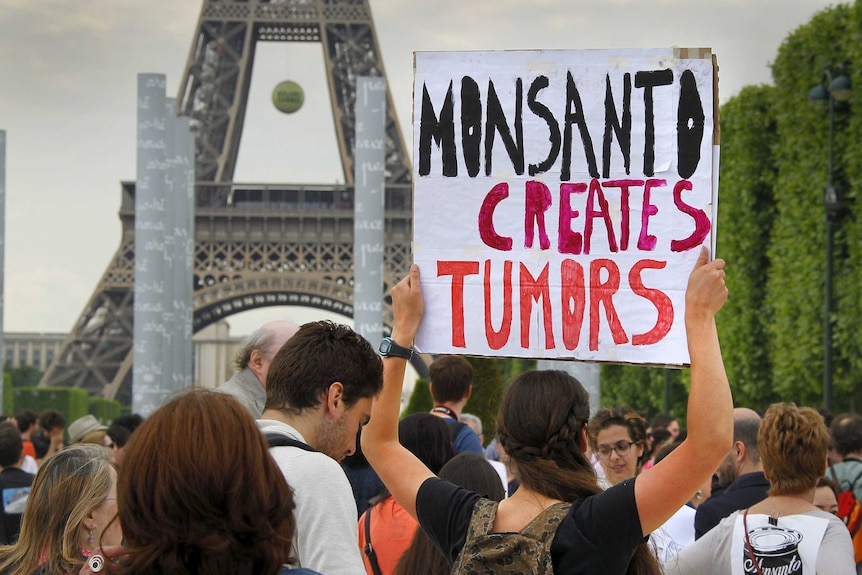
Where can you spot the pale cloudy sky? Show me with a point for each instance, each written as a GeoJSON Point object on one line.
{"type": "Point", "coordinates": [67, 102]}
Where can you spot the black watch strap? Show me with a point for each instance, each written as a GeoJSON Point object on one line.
{"type": "Point", "coordinates": [388, 348]}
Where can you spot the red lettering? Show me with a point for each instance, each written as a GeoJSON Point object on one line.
{"type": "Point", "coordinates": [602, 293]}
{"type": "Point", "coordinates": [646, 242]}
{"type": "Point", "coordinates": [569, 242]}
{"type": "Point", "coordinates": [625, 227]}
{"type": "Point", "coordinates": [574, 298]}
{"type": "Point", "coordinates": [701, 221]}
{"type": "Point", "coordinates": [486, 219]}
{"type": "Point", "coordinates": [538, 201]}
{"type": "Point", "coordinates": [658, 298]}
{"type": "Point", "coordinates": [458, 271]}
{"type": "Point", "coordinates": [596, 193]}
{"type": "Point", "coordinates": [535, 289]}
{"type": "Point", "coordinates": [497, 339]}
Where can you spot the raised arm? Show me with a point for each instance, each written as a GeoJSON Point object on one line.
{"type": "Point", "coordinates": [662, 490]}
{"type": "Point", "coordinates": [400, 470]}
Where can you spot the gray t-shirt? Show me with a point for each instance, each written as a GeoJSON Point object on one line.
{"type": "Point", "coordinates": [713, 553]}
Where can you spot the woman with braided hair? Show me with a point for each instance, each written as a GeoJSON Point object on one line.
{"type": "Point", "coordinates": [542, 426]}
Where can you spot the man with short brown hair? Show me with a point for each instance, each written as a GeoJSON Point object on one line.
{"type": "Point", "coordinates": [451, 384]}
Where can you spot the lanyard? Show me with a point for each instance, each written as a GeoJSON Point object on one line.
{"type": "Point", "coordinates": [445, 410]}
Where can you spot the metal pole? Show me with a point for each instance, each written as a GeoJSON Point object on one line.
{"type": "Point", "coordinates": [666, 390]}
{"type": "Point", "coordinates": [827, 327]}
{"type": "Point", "coordinates": [2, 248]}
{"type": "Point", "coordinates": [369, 201]}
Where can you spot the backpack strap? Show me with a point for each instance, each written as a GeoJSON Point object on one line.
{"type": "Point", "coordinates": [367, 548]}
{"type": "Point", "coordinates": [852, 484]}
{"type": "Point", "coordinates": [482, 520]}
{"type": "Point", "coordinates": [546, 522]}
{"type": "Point", "coordinates": [278, 440]}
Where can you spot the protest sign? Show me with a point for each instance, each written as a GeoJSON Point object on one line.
{"type": "Point", "coordinates": [561, 199]}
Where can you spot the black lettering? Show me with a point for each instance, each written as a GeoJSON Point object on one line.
{"type": "Point", "coordinates": [576, 116]}
{"type": "Point", "coordinates": [689, 126]}
{"type": "Point", "coordinates": [496, 122]}
{"type": "Point", "coordinates": [613, 125]}
{"type": "Point", "coordinates": [471, 124]}
{"type": "Point", "coordinates": [539, 109]}
{"type": "Point", "coordinates": [648, 81]}
{"type": "Point", "coordinates": [442, 131]}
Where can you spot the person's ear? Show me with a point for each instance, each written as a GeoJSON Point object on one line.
{"type": "Point", "coordinates": [469, 392]}
{"type": "Point", "coordinates": [740, 452]}
{"type": "Point", "coordinates": [255, 361]}
{"type": "Point", "coordinates": [89, 522]}
{"type": "Point", "coordinates": [335, 404]}
{"type": "Point", "coordinates": [582, 438]}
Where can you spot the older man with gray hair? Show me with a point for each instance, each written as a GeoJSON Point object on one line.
{"type": "Point", "coordinates": [252, 361]}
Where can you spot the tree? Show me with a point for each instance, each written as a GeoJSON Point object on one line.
{"type": "Point", "coordinates": [23, 376]}
{"type": "Point", "coordinates": [746, 212]}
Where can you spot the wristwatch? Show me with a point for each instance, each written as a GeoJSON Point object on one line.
{"type": "Point", "coordinates": [389, 348]}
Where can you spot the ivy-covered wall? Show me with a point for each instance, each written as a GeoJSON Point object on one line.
{"type": "Point", "coordinates": [772, 232]}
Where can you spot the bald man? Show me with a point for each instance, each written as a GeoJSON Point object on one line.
{"type": "Point", "coordinates": [252, 361]}
{"type": "Point", "coordinates": [741, 471]}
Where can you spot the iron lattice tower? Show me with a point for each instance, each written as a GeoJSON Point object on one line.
{"type": "Point", "coordinates": [255, 245]}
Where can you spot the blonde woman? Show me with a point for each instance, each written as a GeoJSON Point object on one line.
{"type": "Point", "coordinates": [70, 514]}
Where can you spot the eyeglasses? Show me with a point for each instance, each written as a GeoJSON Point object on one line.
{"type": "Point", "coordinates": [622, 448]}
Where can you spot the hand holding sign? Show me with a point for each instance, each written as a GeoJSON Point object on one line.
{"type": "Point", "coordinates": [408, 307]}
{"type": "Point", "coordinates": [706, 291]}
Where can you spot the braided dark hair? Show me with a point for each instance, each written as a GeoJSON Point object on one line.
{"type": "Point", "coordinates": [541, 418]}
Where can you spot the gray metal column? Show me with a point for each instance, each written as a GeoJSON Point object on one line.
{"type": "Point", "coordinates": [169, 254]}
{"type": "Point", "coordinates": [369, 176]}
{"type": "Point", "coordinates": [182, 208]}
{"type": "Point", "coordinates": [2, 246]}
{"type": "Point", "coordinates": [147, 371]}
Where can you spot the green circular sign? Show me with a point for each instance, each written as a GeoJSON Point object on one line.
{"type": "Point", "coordinates": [287, 97]}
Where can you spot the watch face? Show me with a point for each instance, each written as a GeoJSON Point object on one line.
{"type": "Point", "coordinates": [385, 346]}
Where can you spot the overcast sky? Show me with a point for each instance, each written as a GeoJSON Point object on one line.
{"type": "Point", "coordinates": [67, 102]}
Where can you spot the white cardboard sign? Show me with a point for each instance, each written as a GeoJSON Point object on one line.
{"type": "Point", "coordinates": [560, 200]}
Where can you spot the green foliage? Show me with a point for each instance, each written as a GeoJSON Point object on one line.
{"type": "Point", "coordinates": [795, 283]}
{"type": "Point", "coordinates": [420, 400]}
{"type": "Point", "coordinates": [24, 376]}
{"type": "Point", "coordinates": [8, 399]}
{"type": "Point", "coordinates": [105, 410]}
{"type": "Point", "coordinates": [71, 402]}
{"type": "Point", "coordinates": [487, 392]}
{"type": "Point", "coordinates": [772, 232]}
{"type": "Point", "coordinates": [513, 366]}
{"type": "Point", "coordinates": [643, 388]}
{"type": "Point", "coordinates": [746, 212]}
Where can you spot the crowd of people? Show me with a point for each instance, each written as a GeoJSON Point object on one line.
{"type": "Point", "coordinates": [302, 464]}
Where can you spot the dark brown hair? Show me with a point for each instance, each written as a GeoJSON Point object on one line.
{"type": "Point", "coordinates": [318, 355]}
{"type": "Point", "coordinates": [846, 433]}
{"type": "Point", "coordinates": [451, 377]}
{"type": "Point", "coordinates": [199, 493]}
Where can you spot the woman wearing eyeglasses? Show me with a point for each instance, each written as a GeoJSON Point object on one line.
{"type": "Point", "coordinates": [618, 437]}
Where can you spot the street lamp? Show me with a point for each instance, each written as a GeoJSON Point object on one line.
{"type": "Point", "coordinates": [831, 89]}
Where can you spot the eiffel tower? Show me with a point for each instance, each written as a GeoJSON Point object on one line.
{"type": "Point", "coordinates": [255, 245]}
